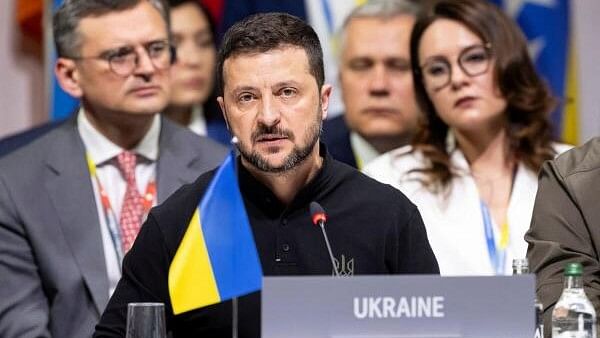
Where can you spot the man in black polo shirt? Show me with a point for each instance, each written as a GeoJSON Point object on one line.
{"type": "Point", "coordinates": [273, 96]}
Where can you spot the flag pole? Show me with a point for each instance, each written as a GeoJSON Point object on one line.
{"type": "Point", "coordinates": [234, 301]}
{"type": "Point", "coordinates": [234, 317]}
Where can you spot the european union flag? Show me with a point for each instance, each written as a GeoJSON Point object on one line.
{"type": "Point", "coordinates": [217, 258]}
{"type": "Point", "coordinates": [546, 26]}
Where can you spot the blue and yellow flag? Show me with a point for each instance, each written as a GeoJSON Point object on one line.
{"type": "Point", "coordinates": [217, 258]}
{"type": "Point", "coordinates": [546, 24]}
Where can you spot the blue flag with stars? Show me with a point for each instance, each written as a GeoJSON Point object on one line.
{"type": "Point", "coordinates": [546, 26]}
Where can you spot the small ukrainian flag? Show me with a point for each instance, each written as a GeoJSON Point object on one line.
{"type": "Point", "coordinates": [217, 258]}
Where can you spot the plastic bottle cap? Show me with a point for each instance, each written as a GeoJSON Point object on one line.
{"type": "Point", "coordinates": [573, 269]}
{"type": "Point", "coordinates": [520, 262]}
{"type": "Point", "coordinates": [520, 266]}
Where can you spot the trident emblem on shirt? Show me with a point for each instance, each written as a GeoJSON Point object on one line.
{"type": "Point", "coordinates": [344, 266]}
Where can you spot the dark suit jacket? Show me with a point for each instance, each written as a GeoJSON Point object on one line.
{"type": "Point", "coordinates": [565, 225]}
{"type": "Point", "coordinates": [52, 268]}
{"type": "Point", "coordinates": [336, 136]}
{"type": "Point", "coordinates": [216, 128]}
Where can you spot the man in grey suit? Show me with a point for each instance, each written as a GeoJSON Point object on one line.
{"type": "Point", "coordinates": [72, 201]}
{"type": "Point", "coordinates": [565, 225]}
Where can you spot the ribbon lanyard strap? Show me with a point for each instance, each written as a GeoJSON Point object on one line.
{"type": "Point", "coordinates": [109, 215]}
{"type": "Point", "coordinates": [497, 254]}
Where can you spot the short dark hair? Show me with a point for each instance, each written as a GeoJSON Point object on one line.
{"type": "Point", "coordinates": [529, 101]}
{"type": "Point", "coordinates": [263, 32]}
{"type": "Point", "coordinates": [66, 19]}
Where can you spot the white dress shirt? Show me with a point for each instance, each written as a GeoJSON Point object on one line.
{"type": "Point", "coordinates": [453, 220]}
{"type": "Point", "coordinates": [103, 153]}
{"type": "Point", "coordinates": [363, 151]}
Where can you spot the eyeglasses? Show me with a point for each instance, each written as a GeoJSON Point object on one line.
{"type": "Point", "coordinates": [123, 60]}
{"type": "Point", "coordinates": [473, 61]}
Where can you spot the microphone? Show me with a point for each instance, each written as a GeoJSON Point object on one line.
{"type": "Point", "coordinates": [317, 213]}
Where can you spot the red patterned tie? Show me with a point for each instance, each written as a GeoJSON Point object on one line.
{"type": "Point", "coordinates": [132, 209]}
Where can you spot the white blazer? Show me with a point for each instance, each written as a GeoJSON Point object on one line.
{"type": "Point", "coordinates": [453, 220]}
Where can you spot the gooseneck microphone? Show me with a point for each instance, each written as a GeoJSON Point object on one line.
{"type": "Point", "coordinates": [317, 213]}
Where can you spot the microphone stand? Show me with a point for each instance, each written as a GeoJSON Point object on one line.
{"type": "Point", "coordinates": [234, 317]}
{"type": "Point", "coordinates": [335, 269]}
{"type": "Point", "coordinates": [317, 214]}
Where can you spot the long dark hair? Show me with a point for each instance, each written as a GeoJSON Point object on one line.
{"type": "Point", "coordinates": [529, 101]}
{"type": "Point", "coordinates": [210, 106]}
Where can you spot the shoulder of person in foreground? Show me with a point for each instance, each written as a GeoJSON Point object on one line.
{"type": "Point", "coordinates": [563, 226]}
{"type": "Point", "coordinates": [571, 160]}
{"type": "Point", "coordinates": [560, 148]}
{"type": "Point", "coordinates": [146, 266]}
{"type": "Point", "coordinates": [380, 204]}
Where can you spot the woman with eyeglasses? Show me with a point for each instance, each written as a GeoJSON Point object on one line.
{"type": "Point", "coordinates": [484, 133]}
{"type": "Point", "coordinates": [192, 102]}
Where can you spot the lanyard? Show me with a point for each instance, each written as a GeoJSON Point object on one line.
{"type": "Point", "coordinates": [497, 253]}
{"type": "Point", "coordinates": [109, 214]}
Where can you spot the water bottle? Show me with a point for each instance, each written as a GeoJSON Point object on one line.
{"type": "Point", "coordinates": [521, 266]}
{"type": "Point", "coordinates": [574, 315]}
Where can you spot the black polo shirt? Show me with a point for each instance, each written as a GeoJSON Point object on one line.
{"type": "Point", "coordinates": [373, 229]}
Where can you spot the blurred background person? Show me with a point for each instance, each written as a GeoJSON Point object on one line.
{"type": "Point", "coordinates": [561, 37]}
{"type": "Point", "coordinates": [472, 168]}
{"type": "Point", "coordinates": [561, 34]}
{"type": "Point", "coordinates": [376, 83]}
{"type": "Point", "coordinates": [192, 101]}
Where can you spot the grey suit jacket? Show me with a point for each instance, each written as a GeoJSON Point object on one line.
{"type": "Point", "coordinates": [565, 225]}
{"type": "Point", "coordinates": [53, 279]}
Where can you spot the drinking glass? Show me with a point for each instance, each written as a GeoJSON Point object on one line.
{"type": "Point", "coordinates": [146, 320]}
